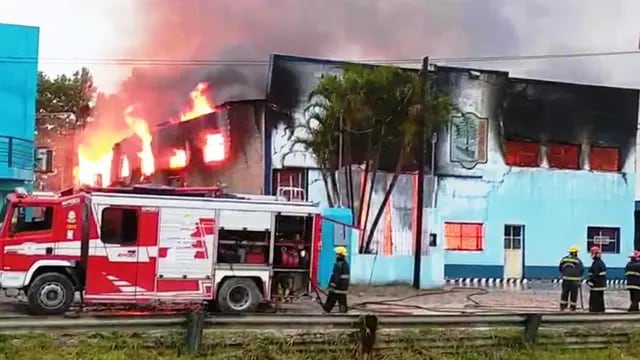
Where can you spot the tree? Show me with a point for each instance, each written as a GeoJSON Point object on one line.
{"type": "Point", "coordinates": [64, 94]}
{"type": "Point", "coordinates": [380, 110]}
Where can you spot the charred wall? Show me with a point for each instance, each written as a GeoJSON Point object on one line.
{"type": "Point", "coordinates": [240, 169]}
{"type": "Point", "coordinates": [291, 81]}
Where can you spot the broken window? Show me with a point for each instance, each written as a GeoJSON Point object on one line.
{"type": "Point", "coordinates": [563, 156]}
{"type": "Point", "coordinates": [522, 153]}
{"type": "Point", "coordinates": [463, 236]}
{"type": "Point", "coordinates": [604, 158]}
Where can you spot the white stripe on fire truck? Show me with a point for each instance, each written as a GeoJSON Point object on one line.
{"type": "Point", "coordinates": [71, 248]}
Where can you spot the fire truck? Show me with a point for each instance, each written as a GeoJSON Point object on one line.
{"type": "Point", "coordinates": [155, 244]}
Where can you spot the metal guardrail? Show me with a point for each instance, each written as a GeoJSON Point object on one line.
{"type": "Point", "coordinates": [367, 326]}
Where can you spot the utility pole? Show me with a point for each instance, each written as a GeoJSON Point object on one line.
{"type": "Point", "coordinates": [417, 261]}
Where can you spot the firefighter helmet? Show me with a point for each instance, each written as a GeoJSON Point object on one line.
{"type": "Point", "coordinates": [574, 249]}
{"type": "Point", "coordinates": [595, 250]}
{"type": "Point", "coordinates": [341, 251]}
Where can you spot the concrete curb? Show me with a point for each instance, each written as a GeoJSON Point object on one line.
{"type": "Point", "coordinates": [517, 282]}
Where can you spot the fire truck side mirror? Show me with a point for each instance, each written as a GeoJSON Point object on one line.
{"type": "Point", "coordinates": [44, 160]}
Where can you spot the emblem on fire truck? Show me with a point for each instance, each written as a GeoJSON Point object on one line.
{"type": "Point", "coordinates": [71, 217]}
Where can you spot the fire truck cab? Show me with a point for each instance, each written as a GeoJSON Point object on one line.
{"type": "Point", "coordinates": [149, 244]}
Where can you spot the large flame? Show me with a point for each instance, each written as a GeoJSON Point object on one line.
{"type": "Point", "coordinates": [178, 160]}
{"type": "Point", "coordinates": [214, 150]}
{"type": "Point", "coordinates": [92, 166]}
{"type": "Point", "coordinates": [199, 105]}
{"type": "Point", "coordinates": [94, 161]}
{"type": "Point", "coordinates": [141, 129]}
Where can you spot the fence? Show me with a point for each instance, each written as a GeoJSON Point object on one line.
{"type": "Point", "coordinates": [364, 328]}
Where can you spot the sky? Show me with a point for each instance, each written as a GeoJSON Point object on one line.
{"type": "Point", "coordinates": [76, 32]}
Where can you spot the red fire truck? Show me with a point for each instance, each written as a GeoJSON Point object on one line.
{"type": "Point", "coordinates": [149, 245]}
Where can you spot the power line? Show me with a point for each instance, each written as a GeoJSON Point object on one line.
{"type": "Point", "coordinates": [249, 62]}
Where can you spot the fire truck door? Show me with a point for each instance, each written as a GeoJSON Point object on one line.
{"type": "Point", "coordinates": [115, 258]}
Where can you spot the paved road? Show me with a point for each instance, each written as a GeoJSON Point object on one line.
{"type": "Point", "coordinates": [453, 300]}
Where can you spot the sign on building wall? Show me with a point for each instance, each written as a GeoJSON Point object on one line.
{"type": "Point", "coordinates": [468, 140]}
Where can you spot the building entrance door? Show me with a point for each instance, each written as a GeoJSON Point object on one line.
{"type": "Point", "coordinates": [513, 254]}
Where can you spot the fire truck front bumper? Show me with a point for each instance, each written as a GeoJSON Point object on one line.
{"type": "Point", "coordinates": [12, 279]}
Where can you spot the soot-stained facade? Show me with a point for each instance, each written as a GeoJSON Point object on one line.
{"type": "Point", "coordinates": [291, 79]}
{"type": "Point", "coordinates": [524, 169]}
{"type": "Point", "coordinates": [528, 168]}
{"type": "Point", "coordinates": [220, 148]}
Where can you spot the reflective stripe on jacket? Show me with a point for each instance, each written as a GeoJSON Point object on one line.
{"type": "Point", "coordinates": [598, 275]}
{"type": "Point", "coordinates": [632, 274]}
{"type": "Point", "coordinates": [339, 282]}
{"type": "Point", "coordinates": [571, 268]}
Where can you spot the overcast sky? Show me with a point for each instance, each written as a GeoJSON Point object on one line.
{"type": "Point", "coordinates": [74, 30]}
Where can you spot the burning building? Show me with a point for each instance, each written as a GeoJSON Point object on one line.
{"type": "Point", "coordinates": [220, 147]}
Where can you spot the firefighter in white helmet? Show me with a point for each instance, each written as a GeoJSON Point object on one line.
{"type": "Point", "coordinates": [339, 282]}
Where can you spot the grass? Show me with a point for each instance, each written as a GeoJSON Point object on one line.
{"type": "Point", "coordinates": [264, 346]}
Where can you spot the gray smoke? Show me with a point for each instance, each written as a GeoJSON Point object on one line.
{"type": "Point", "coordinates": [362, 29]}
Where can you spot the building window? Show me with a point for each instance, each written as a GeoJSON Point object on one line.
{"type": "Point", "coordinates": [521, 153]}
{"type": "Point", "coordinates": [606, 238]}
{"type": "Point", "coordinates": [32, 218]}
{"type": "Point", "coordinates": [289, 178]}
{"type": "Point", "coordinates": [463, 236]}
{"type": "Point", "coordinates": [513, 235]}
{"type": "Point", "coordinates": [119, 226]}
{"type": "Point", "coordinates": [562, 156]}
{"type": "Point", "coordinates": [604, 158]}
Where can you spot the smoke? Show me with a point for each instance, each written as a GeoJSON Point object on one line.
{"type": "Point", "coordinates": [253, 29]}
{"type": "Point", "coordinates": [225, 30]}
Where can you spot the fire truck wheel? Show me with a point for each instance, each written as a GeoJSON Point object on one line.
{"type": "Point", "coordinates": [50, 294]}
{"type": "Point", "coordinates": [238, 295]}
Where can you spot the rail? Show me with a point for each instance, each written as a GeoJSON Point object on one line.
{"type": "Point", "coordinates": [16, 153]}
{"type": "Point", "coordinates": [372, 332]}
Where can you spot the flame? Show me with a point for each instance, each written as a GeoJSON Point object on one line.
{"type": "Point", "coordinates": [199, 105]}
{"type": "Point", "coordinates": [141, 129]}
{"type": "Point", "coordinates": [124, 170]}
{"type": "Point", "coordinates": [214, 148]}
{"type": "Point", "coordinates": [91, 167]}
{"type": "Point", "coordinates": [94, 159]}
{"type": "Point", "coordinates": [178, 160]}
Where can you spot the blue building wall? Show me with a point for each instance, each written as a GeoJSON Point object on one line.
{"type": "Point", "coordinates": [18, 86]}
{"type": "Point", "coordinates": [555, 206]}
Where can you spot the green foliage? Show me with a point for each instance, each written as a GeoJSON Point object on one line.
{"type": "Point", "coordinates": [65, 94]}
{"type": "Point", "coordinates": [371, 116]}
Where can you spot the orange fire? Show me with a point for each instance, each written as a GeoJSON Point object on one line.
{"type": "Point", "coordinates": [94, 161]}
{"type": "Point", "coordinates": [199, 105]}
{"type": "Point", "coordinates": [124, 170]}
{"type": "Point", "coordinates": [93, 165]}
{"type": "Point", "coordinates": [178, 160]}
{"type": "Point", "coordinates": [141, 129]}
{"type": "Point", "coordinates": [214, 148]}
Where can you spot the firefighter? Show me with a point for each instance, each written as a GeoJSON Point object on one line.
{"type": "Point", "coordinates": [571, 269]}
{"type": "Point", "coordinates": [339, 282]}
{"type": "Point", "coordinates": [597, 281]}
{"type": "Point", "coordinates": [632, 274]}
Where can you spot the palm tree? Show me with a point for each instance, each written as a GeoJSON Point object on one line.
{"type": "Point", "coordinates": [378, 109]}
